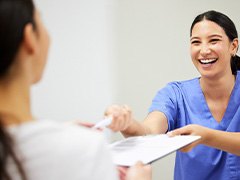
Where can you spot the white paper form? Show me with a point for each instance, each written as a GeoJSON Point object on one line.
{"type": "Point", "coordinates": [147, 148]}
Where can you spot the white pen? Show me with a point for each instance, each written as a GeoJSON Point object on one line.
{"type": "Point", "coordinates": [103, 123]}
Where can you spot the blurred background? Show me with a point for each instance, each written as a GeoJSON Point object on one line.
{"type": "Point", "coordinates": [107, 52]}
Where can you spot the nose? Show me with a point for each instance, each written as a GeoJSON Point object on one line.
{"type": "Point", "coordinates": [205, 50]}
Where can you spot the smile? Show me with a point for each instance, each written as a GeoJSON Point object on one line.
{"type": "Point", "coordinates": [208, 61]}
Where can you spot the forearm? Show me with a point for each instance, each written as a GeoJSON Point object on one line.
{"type": "Point", "coordinates": [136, 128]}
{"type": "Point", "coordinates": [226, 141]}
{"type": "Point", "coordinates": [154, 123]}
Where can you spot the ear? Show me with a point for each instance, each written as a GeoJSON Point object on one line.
{"type": "Point", "coordinates": [30, 39]}
{"type": "Point", "coordinates": [234, 47]}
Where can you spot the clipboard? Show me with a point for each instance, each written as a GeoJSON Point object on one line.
{"type": "Point", "coordinates": [147, 149]}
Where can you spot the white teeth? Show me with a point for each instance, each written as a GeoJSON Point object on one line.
{"type": "Point", "coordinates": [206, 61]}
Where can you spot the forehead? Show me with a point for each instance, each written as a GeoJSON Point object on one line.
{"type": "Point", "coordinates": [207, 28]}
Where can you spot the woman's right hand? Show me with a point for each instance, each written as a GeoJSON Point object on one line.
{"type": "Point", "coordinates": [121, 117]}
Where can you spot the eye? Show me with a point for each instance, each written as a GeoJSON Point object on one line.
{"type": "Point", "coordinates": [195, 42]}
{"type": "Point", "coordinates": [214, 41]}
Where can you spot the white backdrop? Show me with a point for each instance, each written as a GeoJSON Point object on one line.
{"type": "Point", "coordinates": [78, 81]}
{"type": "Point", "coordinates": [117, 51]}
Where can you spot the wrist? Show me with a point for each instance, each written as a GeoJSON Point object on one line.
{"type": "Point", "coordinates": [129, 130]}
{"type": "Point", "coordinates": [208, 136]}
{"type": "Point", "coordinates": [134, 129]}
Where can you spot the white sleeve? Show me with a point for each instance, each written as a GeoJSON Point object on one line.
{"type": "Point", "coordinates": [104, 167]}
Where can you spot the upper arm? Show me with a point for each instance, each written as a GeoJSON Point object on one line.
{"type": "Point", "coordinates": [164, 109]}
{"type": "Point", "coordinates": [156, 123]}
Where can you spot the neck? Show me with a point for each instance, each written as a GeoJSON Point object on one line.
{"type": "Point", "coordinates": [220, 88]}
{"type": "Point", "coordinates": [15, 102]}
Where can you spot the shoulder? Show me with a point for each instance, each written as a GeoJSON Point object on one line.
{"type": "Point", "coordinates": [183, 84]}
{"type": "Point", "coordinates": [71, 151]}
{"type": "Point", "coordinates": [238, 77]}
{"type": "Point", "coordinates": [179, 87]}
{"type": "Point", "coordinates": [51, 134]}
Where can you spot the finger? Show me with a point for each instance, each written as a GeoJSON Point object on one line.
{"type": "Point", "coordinates": [85, 124]}
{"type": "Point", "coordinates": [114, 118]}
{"type": "Point", "coordinates": [127, 108]}
{"type": "Point", "coordinates": [114, 124]}
{"type": "Point", "coordinates": [186, 149]}
{"type": "Point", "coordinates": [122, 168]}
{"type": "Point", "coordinates": [189, 147]}
{"type": "Point", "coordinates": [174, 133]}
{"type": "Point", "coordinates": [122, 171]}
{"type": "Point", "coordinates": [114, 113]}
{"type": "Point", "coordinates": [180, 131]}
{"type": "Point", "coordinates": [128, 117]}
{"type": "Point", "coordinates": [119, 119]}
{"type": "Point", "coordinates": [110, 110]}
{"type": "Point", "coordinates": [148, 167]}
{"type": "Point", "coordinates": [139, 163]}
{"type": "Point", "coordinates": [123, 123]}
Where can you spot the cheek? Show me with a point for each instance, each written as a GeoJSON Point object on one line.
{"type": "Point", "coordinates": [193, 53]}
{"type": "Point", "coordinates": [217, 48]}
{"type": "Point", "coordinates": [45, 41]}
{"type": "Point", "coordinates": [222, 52]}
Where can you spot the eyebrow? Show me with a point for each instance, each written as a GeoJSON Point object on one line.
{"type": "Point", "coordinates": [213, 35]}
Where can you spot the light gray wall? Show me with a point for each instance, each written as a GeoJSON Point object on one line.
{"type": "Point", "coordinates": [78, 81]}
{"type": "Point", "coordinates": [117, 51]}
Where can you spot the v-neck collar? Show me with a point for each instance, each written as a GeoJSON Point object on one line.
{"type": "Point", "coordinates": [231, 107]}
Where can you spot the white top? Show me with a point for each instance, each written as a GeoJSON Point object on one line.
{"type": "Point", "coordinates": [54, 151]}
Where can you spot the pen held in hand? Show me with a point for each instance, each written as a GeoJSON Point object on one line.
{"type": "Point", "coordinates": [103, 123]}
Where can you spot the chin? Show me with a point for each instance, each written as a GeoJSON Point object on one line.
{"type": "Point", "coordinates": [210, 74]}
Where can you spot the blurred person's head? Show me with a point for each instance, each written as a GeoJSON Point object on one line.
{"type": "Point", "coordinates": [23, 51]}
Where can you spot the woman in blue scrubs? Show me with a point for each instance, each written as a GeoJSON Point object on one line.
{"type": "Point", "coordinates": [208, 105]}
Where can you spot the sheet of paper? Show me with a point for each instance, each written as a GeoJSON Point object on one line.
{"type": "Point", "coordinates": [147, 148]}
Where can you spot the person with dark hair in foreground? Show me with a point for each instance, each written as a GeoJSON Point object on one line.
{"type": "Point", "coordinates": [41, 150]}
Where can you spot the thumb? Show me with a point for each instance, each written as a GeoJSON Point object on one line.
{"type": "Point", "coordinates": [139, 163]}
{"type": "Point", "coordinates": [175, 132]}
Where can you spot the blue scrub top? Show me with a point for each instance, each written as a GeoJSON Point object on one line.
{"type": "Point", "coordinates": [184, 103]}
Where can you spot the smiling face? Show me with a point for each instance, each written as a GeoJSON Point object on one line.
{"type": "Point", "coordinates": [211, 49]}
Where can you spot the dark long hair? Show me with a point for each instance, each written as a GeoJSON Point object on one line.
{"type": "Point", "coordinates": [14, 16]}
{"type": "Point", "coordinates": [228, 26]}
